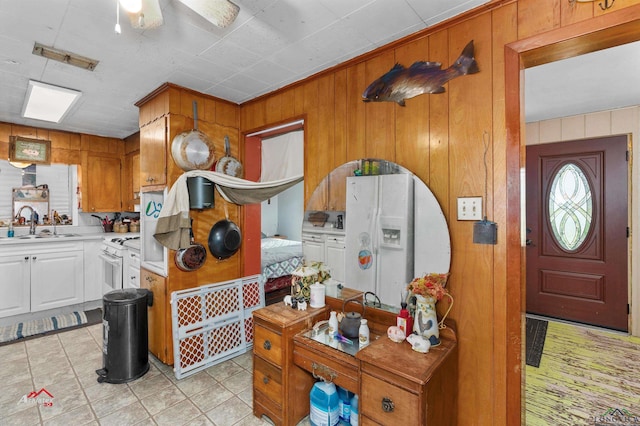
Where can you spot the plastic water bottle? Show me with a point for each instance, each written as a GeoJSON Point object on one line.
{"type": "Point", "coordinates": [10, 231]}
{"type": "Point", "coordinates": [354, 410]}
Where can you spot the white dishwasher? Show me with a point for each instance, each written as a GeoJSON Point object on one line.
{"type": "Point", "coordinates": [131, 267]}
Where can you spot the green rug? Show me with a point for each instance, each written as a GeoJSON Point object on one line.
{"type": "Point", "coordinates": [35, 327]}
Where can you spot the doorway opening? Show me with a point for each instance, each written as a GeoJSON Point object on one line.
{"type": "Point", "coordinates": [274, 227]}
{"type": "Point", "coordinates": [606, 31]}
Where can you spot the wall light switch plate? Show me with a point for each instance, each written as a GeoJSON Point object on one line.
{"type": "Point", "coordinates": [470, 208]}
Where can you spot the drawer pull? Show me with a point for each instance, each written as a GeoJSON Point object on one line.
{"type": "Point", "coordinates": [265, 380]}
{"type": "Point", "coordinates": [323, 372]}
{"type": "Point", "coordinates": [387, 405]}
{"type": "Point", "coordinates": [267, 345]}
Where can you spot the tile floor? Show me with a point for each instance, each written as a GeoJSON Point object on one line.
{"type": "Point", "coordinates": [64, 365]}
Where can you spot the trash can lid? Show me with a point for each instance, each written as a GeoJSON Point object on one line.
{"type": "Point", "coordinates": [126, 295]}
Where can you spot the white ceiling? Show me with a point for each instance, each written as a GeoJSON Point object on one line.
{"type": "Point", "coordinates": [271, 44]}
{"type": "Point", "coordinates": [597, 81]}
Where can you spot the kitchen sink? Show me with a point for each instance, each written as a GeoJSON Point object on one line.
{"type": "Point", "coordinates": [46, 236]}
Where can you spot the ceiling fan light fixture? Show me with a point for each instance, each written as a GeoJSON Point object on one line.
{"type": "Point", "coordinates": [220, 13]}
{"type": "Point", "coordinates": [131, 6]}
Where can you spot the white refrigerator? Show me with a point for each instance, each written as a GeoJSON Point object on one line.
{"type": "Point", "coordinates": [379, 235]}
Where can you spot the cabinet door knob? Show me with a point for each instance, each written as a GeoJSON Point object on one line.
{"type": "Point", "coordinates": [34, 258]}
{"type": "Point", "coordinates": [387, 405]}
{"type": "Point", "coordinates": [26, 258]}
{"type": "Point", "coordinates": [267, 345]}
{"type": "Point", "coordinates": [265, 380]}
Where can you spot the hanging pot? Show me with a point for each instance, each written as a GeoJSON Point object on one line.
{"type": "Point", "coordinates": [228, 164]}
{"type": "Point", "coordinates": [193, 149]}
{"type": "Point", "coordinates": [191, 258]}
{"type": "Point", "coordinates": [224, 238]}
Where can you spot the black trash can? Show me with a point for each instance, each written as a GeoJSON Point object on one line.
{"type": "Point", "coordinates": [125, 344]}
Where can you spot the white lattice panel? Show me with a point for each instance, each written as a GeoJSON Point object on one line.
{"type": "Point", "coordinates": [213, 323]}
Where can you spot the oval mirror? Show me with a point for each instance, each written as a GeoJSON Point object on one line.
{"type": "Point", "coordinates": [376, 226]}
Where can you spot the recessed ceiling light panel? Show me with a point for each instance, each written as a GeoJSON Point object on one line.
{"type": "Point", "coordinates": [47, 102]}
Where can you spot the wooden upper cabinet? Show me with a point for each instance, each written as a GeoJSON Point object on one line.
{"type": "Point", "coordinates": [153, 154]}
{"type": "Point", "coordinates": [101, 182]}
{"type": "Point", "coordinates": [131, 182]}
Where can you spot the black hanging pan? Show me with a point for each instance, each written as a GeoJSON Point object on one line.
{"type": "Point", "coordinates": [224, 238]}
{"type": "Point", "coordinates": [191, 258]}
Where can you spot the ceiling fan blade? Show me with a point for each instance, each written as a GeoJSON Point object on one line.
{"type": "Point", "coordinates": [149, 17]}
{"type": "Point", "coordinates": [219, 12]}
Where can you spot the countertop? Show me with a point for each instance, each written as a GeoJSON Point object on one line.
{"type": "Point", "coordinates": [64, 236]}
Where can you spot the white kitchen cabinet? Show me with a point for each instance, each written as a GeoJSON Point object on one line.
{"type": "Point", "coordinates": [56, 279]}
{"type": "Point", "coordinates": [313, 247]}
{"type": "Point", "coordinates": [92, 270]}
{"type": "Point", "coordinates": [40, 276]}
{"type": "Point", "coordinates": [328, 248]}
{"type": "Point", "coordinates": [15, 286]}
{"type": "Point", "coordinates": [334, 255]}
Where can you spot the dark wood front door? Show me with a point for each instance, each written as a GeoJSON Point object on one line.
{"type": "Point", "coordinates": [577, 249]}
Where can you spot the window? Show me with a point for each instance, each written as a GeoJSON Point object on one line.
{"type": "Point", "coordinates": [570, 207]}
{"type": "Point", "coordinates": [61, 179]}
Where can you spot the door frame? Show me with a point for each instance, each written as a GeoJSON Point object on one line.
{"type": "Point", "coordinates": [608, 30]}
{"type": "Point", "coordinates": [250, 147]}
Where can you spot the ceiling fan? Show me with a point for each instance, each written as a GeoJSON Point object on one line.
{"type": "Point", "coordinates": [145, 14]}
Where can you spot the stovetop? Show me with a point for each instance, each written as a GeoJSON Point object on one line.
{"type": "Point", "coordinates": [115, 243]}
{"type": "Point", "coordinates": [120, 238]}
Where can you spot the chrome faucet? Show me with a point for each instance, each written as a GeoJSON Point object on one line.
{"type": "Point", "coordinates": [53, 219]}
{"type": "Point", "coordinates": [32, 227]}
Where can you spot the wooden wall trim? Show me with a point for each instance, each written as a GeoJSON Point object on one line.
{"type": "Point", "coordinates": [602, 32]}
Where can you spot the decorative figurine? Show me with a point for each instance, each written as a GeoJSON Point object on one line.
{"type": "Point", "coordinates": [401, 83]}
{"type": "Point", "coordinates": [302, 305]}
{"type": "Point", "coordinates": [419, 343]}
{"type": "Point", "coordinates": [287, 300]}
{"type": "Point", "coordinates": [395, 334]}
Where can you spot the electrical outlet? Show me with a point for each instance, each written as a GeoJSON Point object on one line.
{"type": "Point", "coordinates": [470, 208]}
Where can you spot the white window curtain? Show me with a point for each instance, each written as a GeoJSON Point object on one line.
{"type": "Point", "coordinates": [282, 156]}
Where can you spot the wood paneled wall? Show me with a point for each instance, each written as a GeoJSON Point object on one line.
{"type": "Point", "coordinates": [217, 119]}
{"type": "Point", "coordinates": [65, 146]}
{"type": "Point", "coordinates": [443, 139]}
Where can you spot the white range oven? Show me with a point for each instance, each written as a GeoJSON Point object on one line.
{"type": "Point", "coordinates": [112, 255]}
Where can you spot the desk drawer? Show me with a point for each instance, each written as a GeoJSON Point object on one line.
{"type": "Point", "coordinates": [322, 366]}
{"type": "Point", "coordinates": [268, 345]}
{"type": "Point", "coordinates": [388, 404]}
{"type": "Point", "coordinates": [267, 379]}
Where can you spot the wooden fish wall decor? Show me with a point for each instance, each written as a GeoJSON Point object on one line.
{"type": "Point", "coordinates": [402, 83]}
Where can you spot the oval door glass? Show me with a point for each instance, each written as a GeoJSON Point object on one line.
{"type": "Point", "coordinates": [570, 207]}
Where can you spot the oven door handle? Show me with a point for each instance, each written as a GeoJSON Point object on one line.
{"type": "Point", "coordinates": [111, 260]}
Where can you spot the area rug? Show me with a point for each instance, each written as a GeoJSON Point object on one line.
{"type": "Point", "coordinates": [48, 325]}
{"type": "Point", "coordinates": [587, 376]}
{"type": "Point", "coordinates": [536, 332]}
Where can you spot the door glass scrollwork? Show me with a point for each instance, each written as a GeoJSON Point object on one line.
{"type": "Point", "coordinates": [570, 207]}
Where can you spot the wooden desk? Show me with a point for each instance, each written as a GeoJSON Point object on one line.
{"type": "Point", "coordinates": [280, 388]}
{"type": "Point", "coordinates": [396, 385]}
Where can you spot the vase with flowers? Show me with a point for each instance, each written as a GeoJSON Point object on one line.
{"type": "Point", "coordinates": [428, 290]}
